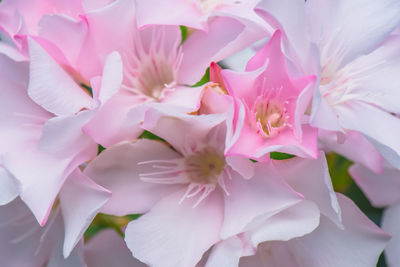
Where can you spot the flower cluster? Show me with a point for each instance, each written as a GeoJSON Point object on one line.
{"type": "Point", "coordinates": [198, 129]}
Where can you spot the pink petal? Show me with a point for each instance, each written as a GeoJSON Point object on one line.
{"type": "Point", "coordinates": [51, 87]}
{"type": "Point", "coordinates": [311, 178]}
{"type": "Point", "coordinates": [63, 135]}
{"type": "Point", "coordinates": [40, 194]}
{"type": "Point", "coordinates": [356, 148]}
{"type": "Point", "coordinates": [80, 200]}
{"type": "Point", "coordinates": [106, 249]}
{"type": "Point", "coordinates": [226, 253]}
{"type": "Point", "coordinates": [170, 126]}
{"type": "Point", "coordinates": [106, 126]}
{"type": "Point", "coordinates": [117, 170]}
{"type": "Point", "coordinates": [357, 116]}
{"type": "Point", "coordinates": [242, 165]}
{"type": "Point", "coordinates": [326, 22]}
{"type": "Point", "coordinates": [201, 48]}
{"type": "Point", "coordinates": [382, 189]}
{"type": "Point", "coordinates": [184, 99]}
{"type": "Point", "coordinates": [173, 12]}
{"type": "Point", "coordinates": [102, 27]}
{"type": "Point", "coordinates": [265, 193]}
{"type": "Point", "coordinates": [9, 186]}
{"type": "Point", "coordinates": [67, 33]}
{"type": "Point", "coordinates": [293, 222]}
{"type": "Point", "coordinates": [378, 83]}
{"type": "Point", "coordinates": [390, 223]}
{"type": "Point", "coordinates": [185, 234]}
{"type": "Point", "coordinates": [21, 118]}
{"type": "Point", "coordinates": [332, 246]}
{"type": "Point", "coordinates": [112, 77]}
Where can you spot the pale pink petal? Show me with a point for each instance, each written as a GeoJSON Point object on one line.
{"type": "Point", "coordinates": [80, 200]}
{"type": "Point", "coordinates": [180, 130]}
{"type": "Point", "coordinates": [117, 170]}
{"type": "Point", "coordinates": [382, 189]}
{"type": "Point", "coordinates": [323, 115]}
{"type": "Point", "coordinates": [356, 148]}
{"type": "Point", "coordinates": [9, 186]}
{"type": "Point", "coordinates": [106, 249]}
{"type": "Point", "coordinates": [67, 33]}
{"type": "Point", "coordinates": [106, 126]}
{"type": "Point", "coordinates": [173, 12]}
{"type": "Point", "coordinates": [89, 5]}
{"type": "Point", "coordinates": [76, 258]}
{"type": "Point", "coordinates": [214, 101]}
{"type": "Point", "coordinates": [311, 178]}
{"type": "Point", "coordinates": [39, 194]}
{"type": "Point", "coordinates": [63, 135]}
{"type": "Point", "coordinates": [226, 253]}
{"type": "Point", "coordinates": [346, 41]}
{"type": "Point", "coordinates": [358, 115]}
{"type": "Point", "coordinates": [275, 254]}
{"type": "Point", "coordinates": [290, 17]}
{"type": "Point", "coordinates": [376, 76]}
{"type": "Point", "coordinates": [390, 223]}
{"type": "Point", "coordinates": [184, 99]}
{"type": "Point", "coordinates": [265, 193]}
{"type": "Point", "coordinates": [186, 232]}
{"type": "Point", "coordinates": [201, 48]}
{"type": "Point", "coordinates": [359, 244]}
{"type": "Point", "coordinates": [21, 118]}
{"type": "Point", "coordinates": [112, 77]}
{"type": "Point", "coordinates": [20, 243]}
{"type": "Point", "coordinates": [51, 87]}
{"type": "Point", "coordinates": [295, 221]}
{"type": "Point", "coordinates": [102, 26]}
{"type": "Point", "coordinates": [242, 165]}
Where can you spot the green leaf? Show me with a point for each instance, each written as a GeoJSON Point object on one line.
{"type": "Point", "coordinates": [280, 155]}
{"type": "Point", "coordinates": [100, 149]}
{"type": "Point", "coordinates": [184, 33]}
{"type": "Point", "coordinates": [205, 79]}
{"type": "Point", "coordinates": [151, 136]}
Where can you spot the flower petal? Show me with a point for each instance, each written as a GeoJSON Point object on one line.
{"type": "Point", "coordinates": [117, 169]}
{"type": "Point", "coordinates": [185, 234]}
{"type": "Point", "coordinates": [80, 200]}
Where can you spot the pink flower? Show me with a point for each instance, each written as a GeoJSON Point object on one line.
{"type": "Point", "coordinates": [200, 195]}
{"type": "Point", "coordinates": [282, 240]}
{"type": "Point", "coordinates": [157, 67]}
{"type": "Point", "coordinates": [353, 61]}
{"type": "Point", "coordinates": [46, 142]}
{"type": "Point", "coordinates": [270, 106]}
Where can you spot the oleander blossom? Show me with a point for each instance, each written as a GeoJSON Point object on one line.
{"type": "Point", "coordinates": [158, 67]}
{"type": "Point", "coordinates": [199, 193]}
{"type": "Point", "coordinates": [270, 106]}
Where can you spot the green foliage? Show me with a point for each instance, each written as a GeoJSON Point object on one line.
{"type": "Point", "coordinates": [184, 33]}
{"type": "Point", "coordinates": [87, 88]}
{"type": "Point", "coordinates": [100, 149]}
{"type": "Point", "coordinates": [280, 156]}
{"type": "Point", "coordinates": [151, 136]}
{"type": "Point", "coordinates": [205, 79]}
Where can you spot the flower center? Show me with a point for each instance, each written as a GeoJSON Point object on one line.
{"type": "Point", "coordinates": [269, 117]}
{"type": "Point", "coordinates": [152, 67]}
{"type": "Point", "coordinates": [154, 75]}
{"type": "Point", "coordinates": [205, 167]}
